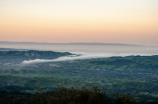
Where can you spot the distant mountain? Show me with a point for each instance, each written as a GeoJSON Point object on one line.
{"type": "Point", "coordinates": [11, 49]}
{"type": "Point", "coordinates": [19, 56]}
{"type": "Point", "coordinates": [33, 54]}
{"type": "Point", "coordinates": [115, 44]}
{"type": "Point", "coordinates": [111, 44]}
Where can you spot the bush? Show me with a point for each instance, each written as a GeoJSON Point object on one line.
{"type": "Point", "coordinates": [66, 95]}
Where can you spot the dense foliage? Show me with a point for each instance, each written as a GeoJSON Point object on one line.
{"type": "Point", "coordinates": [65, 95]}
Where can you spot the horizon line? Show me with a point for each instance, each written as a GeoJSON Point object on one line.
{"type": "Point", "coordinates": [99, 43]}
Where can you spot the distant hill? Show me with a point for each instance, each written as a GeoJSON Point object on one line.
{"type": "Point", "coordinates": [19, 56]}
{"type": "Point", "coordinates": [33, 54]}
{"type": "Point", "coordinates": [115, 44]}
{"type": "Point", "coordinates": [11, 49]}
{"type": "Point", "coordinates": [111, 44]}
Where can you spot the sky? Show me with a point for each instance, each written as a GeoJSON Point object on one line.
{"type": "Point", "coordinates": [64, 21]}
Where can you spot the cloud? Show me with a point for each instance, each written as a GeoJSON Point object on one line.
{"type": "Point", "coordinates": [82, 57]}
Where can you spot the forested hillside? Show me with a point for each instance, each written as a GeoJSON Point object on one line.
{"type": "Point", "coordinates": [17, 57]}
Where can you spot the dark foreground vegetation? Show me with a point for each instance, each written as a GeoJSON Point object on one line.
{"type": "Point", "coordinates": [65, 95]}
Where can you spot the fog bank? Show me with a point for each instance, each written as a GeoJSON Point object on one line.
{"type": "Point", "coordinates": [83, 56]}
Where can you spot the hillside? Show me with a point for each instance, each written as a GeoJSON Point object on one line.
{"type": "Point", "coordinates": [133, 75]}
{"type": "Point", "coordinates": [16, 57]}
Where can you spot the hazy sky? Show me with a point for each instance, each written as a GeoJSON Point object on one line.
{"type": "Point", "coordinates": [108, 21]}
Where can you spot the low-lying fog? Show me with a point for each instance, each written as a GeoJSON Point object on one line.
{"type": "Point", "coordinates": [83, 56]}
{"type": "Point", "coordinates": [85, 51]}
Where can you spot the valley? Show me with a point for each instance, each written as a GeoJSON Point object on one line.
{"type": "Point", "coordinates": [132, 75]}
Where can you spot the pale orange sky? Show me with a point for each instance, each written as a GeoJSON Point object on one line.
{"type": "Point", "coordinates": [62, 21]}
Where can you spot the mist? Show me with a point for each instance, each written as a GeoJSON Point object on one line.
{"type": "Point", "coordinates": [83, 56]}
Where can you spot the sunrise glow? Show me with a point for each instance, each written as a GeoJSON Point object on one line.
{"type": "Point", "coordinates": [62, 21]}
